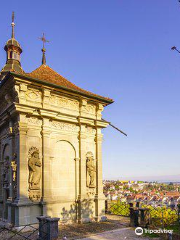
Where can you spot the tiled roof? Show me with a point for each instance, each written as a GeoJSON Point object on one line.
{"type": "Point", "coordinates": [47, 74]}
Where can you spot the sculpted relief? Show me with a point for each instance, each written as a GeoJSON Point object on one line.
{"type": "Point", "coordinates": [33, 95]}
{"type": "Point", "coordinates": [89, 108]}
{"type": "Point", "coordinates": [34, 165]}
{"type": "Point", "coordinates": [68, 127]}
{"type": "Point", "coordinates": [91, 170]}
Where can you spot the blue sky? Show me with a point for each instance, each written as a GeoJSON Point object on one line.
{"type": "Point", "coordinates": [120, 49]}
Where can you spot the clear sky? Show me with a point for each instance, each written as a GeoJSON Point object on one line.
{"type": "Point", "coordinates": [120, 49]}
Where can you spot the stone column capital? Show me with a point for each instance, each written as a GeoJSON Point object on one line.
{"type": "Point", "coordinates": [46, 132]}
{"type": "Point", "coordinates": [22, 128]}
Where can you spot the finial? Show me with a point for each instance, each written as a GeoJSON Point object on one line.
{"type": "Point", "coordinates": [12, 24]}
{"type": "Point", "coordinates": [44, 40]}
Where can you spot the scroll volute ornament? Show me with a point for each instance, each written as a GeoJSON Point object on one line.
{"type": "Point", "coordinates": [91, 170]}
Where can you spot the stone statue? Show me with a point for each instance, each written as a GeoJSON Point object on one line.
{"type": "Point", "coordinates": [14, 167]}
{"type": "Point", "coordinates": [14, 175]}
{"type": "Point", "coordinates": [34, 165]}
{"type": "Point", "coordinates": [91, 170]}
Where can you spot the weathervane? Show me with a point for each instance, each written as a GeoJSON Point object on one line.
{"type": "Point", "coordinates": [44, 40]}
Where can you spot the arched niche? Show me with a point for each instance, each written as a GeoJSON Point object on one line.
{"type": "Point", "coordinates": [6, 166]}
{"type": "Point", "coordinates": [64, 171]}
{"type": "Point", "coordinates": [6, 152]}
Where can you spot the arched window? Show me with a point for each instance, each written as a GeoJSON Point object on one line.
{"type": "Point", "coordinates": [11, 55]}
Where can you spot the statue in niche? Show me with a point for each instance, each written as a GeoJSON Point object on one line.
{"type": "Point", "coordinates": [14, 167]}
{"type": "Point", "coordinates": [34, 165]}
{"type": "Point", "coordinates": [91, 170]}
{"type": "Point", "coordinates": [14, 175]}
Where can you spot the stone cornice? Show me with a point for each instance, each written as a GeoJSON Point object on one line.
{"type": "Point", "coordinates": [88, 121]}
{"type": "Point", "coordinates": [51, 114]}
{"type": "Point", "coordinates": [101, 124]}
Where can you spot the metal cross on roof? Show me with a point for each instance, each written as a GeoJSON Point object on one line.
{"type": "Point", "coordinates": [12, 16]}
{"type": "Point", "coordinates": [44, 40]}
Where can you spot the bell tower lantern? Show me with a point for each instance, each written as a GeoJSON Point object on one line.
{"type": "Point", "coordinates": [13, 51]}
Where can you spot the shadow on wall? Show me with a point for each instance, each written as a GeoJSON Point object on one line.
{"type": "Point", "coordinates": [85, 208]}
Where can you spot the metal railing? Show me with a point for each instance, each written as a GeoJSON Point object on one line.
{"type": "Point", "coordinates": [161, 216]}
{"type": "Point", "coordinates": [46, 229]}
{"type": "Point", "coordinates": [117, 207]}
{"type": "Point", "coordinates": [28, 232]}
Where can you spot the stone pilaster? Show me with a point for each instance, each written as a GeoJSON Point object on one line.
{"type": "Point", "coordinates": [77, 160]}
{"type": "Point", "coordinates": [99, 196]}
{"type": "Point", "coordinates": [46, 163]}
{"type": "Point", "coordinates": [22, 176]}
{"type": "Point", "coordinates": [99, 110]}
{"type": "Point", "coordinates": [82, 170]}
{"type": "Point", "coordinates": [22, 93]}
{"type": "Point", "coordinates": [11, 153]}
{"type": "Point", "coordinates": [10, 140]}
{"type": "Point", "coordinates": [46, 95]}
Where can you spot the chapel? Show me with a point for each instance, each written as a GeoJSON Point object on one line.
{"type": "Point", "coordinates": [50, 144]}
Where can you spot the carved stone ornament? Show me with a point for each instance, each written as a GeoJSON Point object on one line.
{"type": "Point", "coordinates": [64, 102]}
{"type": "Point", "coordinates": [65, 126]}
{"type": "Point", "coordinates": [89, 108]}
{"type": "Point", "coordinates": [90, 130]}
{"type": "Point", "coordinates": [33, 95]}
{"type": "Point", "coordinates": [34, 165]}
{"type": "Point", "coordinates": [90, 192]}
{"type": "Point", "coordinates": [34, 121]}
{"type": "Point", "coordinates": [91, 170]}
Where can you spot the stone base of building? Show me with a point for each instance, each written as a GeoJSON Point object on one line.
{"type": "Point", "coordinates": [86, 210]}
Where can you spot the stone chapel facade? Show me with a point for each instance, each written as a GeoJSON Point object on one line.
{"type": "Point", "coordinates": [50, 145]}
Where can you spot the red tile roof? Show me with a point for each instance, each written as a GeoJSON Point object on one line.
{"type": "Point", "coordinates": [173, 194]}
{"type": "Point", "coordinates": [47, 74]}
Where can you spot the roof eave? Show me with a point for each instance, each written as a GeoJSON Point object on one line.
{"type": "Point", "coordinates": [104, 100]}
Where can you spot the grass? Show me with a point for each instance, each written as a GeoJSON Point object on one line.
{"type": "Point", "coordinates": [151, 235]}
{"type": "Point", "coordinates": [175, 228]}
